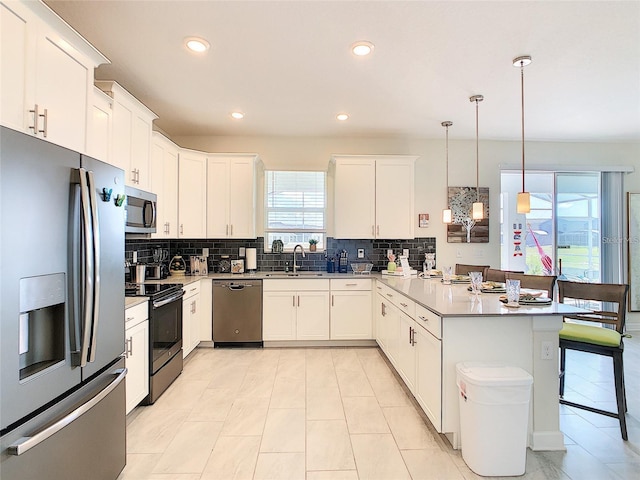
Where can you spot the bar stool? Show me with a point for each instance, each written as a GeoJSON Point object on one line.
{"type": "Point", "coordinates": [534, 282]}
{"type": "Point", "coordinates": [462, 269]}
{"type": "Point", "coordinates": [494, 275]}
{"type": "Point", "coordinates": [596, 339]}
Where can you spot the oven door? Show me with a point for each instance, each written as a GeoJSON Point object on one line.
{"type": "Point", "coordinates": [165, 329]}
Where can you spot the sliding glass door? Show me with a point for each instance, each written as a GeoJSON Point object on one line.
{"type": "Point", "coordinates": [577, 226]}
{"type": "Point", "coordinates": [563, 225]}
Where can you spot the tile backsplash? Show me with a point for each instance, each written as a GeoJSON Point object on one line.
{"type": "Point", "coordinates": [375, 251]}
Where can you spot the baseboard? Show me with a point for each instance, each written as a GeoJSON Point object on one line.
{"type": "Point", "coordinates": [547, 441]}
{"type": "Point", "coordinates": [320, 343]}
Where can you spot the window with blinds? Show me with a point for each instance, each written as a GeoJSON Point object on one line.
{"type": "Point", "coordinates": [295, 208]}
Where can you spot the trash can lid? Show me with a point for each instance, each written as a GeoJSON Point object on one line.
{"type": "Point", "coordinates": [492, 374]}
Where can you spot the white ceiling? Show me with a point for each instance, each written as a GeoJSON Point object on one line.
{"type": "Point", "coordinates": [287, 65]}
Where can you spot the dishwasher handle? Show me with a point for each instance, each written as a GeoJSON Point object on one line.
{"type": "Point", "coordinates": [238, 287]}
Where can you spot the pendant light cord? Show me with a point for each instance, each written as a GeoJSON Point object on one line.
{"type": "Point", "coordinates": [522, 103]}
{"type": "Point", "coordinates": [477, 157]}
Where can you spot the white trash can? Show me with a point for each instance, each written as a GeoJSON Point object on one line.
{"type": "Point", "coordinates": [494, 417]}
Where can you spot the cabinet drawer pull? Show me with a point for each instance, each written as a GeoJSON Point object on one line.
{"type": "Point", "coordinates": [389, 295]}
{"type": "Point", "coordinates": [129, 319]}
{"type": "Point", "coordinates": [404, 305]}
{"type": "Point", "coordinates": [424, 319]}
{"type": "Point", "coordinates": [350, 284]}
{"type": "Point", "coordinates": [378, 287]}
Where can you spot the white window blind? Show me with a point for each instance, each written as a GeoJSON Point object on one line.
{"type": "Point", "coordinates": [295, 208]}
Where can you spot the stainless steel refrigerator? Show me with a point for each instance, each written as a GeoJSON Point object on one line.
{"type": "Point", "coordinates": [62, 407]}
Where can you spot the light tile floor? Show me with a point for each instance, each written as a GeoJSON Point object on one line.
{"type": "Point", "coordinates": [341, 413]}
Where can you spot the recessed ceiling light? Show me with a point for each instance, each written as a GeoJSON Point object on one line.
{"type": "Point", "coordinates": [362, 48]}
{"type": "Point", "coordinates": [237, 115]}
{"type": "Point", "coordinates": [342, 117]}
{"type": "Point", "coordinates": [195, 44]}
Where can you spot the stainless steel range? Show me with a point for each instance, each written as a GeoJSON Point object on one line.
{"type": "Point", "coordinates": [165, 333]}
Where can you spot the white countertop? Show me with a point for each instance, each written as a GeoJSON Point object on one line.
{"type": "Point", "coordinates": [456, 301]}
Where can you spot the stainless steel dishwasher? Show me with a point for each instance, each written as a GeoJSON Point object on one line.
{"type": "Point", "coordinates": [237, 313]}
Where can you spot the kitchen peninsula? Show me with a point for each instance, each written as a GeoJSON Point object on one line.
{"type": "Point", "coordinates": [446, 325]}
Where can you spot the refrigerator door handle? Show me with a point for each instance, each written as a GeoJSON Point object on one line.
{"type": "Point", "coordinates": [25, 444]}
{"type": "Point", "coordinates": [87, 246]}
{"type": "Point", "coordinates": [96, 264]}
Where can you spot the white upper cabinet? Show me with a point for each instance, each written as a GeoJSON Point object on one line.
{"type": "Point", "coordinates": [192, 194]}
{"type": "Point", "coordinates": [231, 193]}
{"type": "Point", "coordinates": [99, 134]}
{"type": "Point", "coordinates": [47, 75]}
{"type": "Point", "coordinates": [374, 196]}
{"type": "Point", "coordinates": [164, 183]}
{"type": "Point", "coordinates": [131, 141]}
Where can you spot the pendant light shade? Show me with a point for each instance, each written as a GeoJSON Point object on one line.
{"type": "Point", "coordinates": [524, 198]}
{"type": "Point", "coordinates": [447, 214]}
{"type": "Point", "coordinates": [477, 210]}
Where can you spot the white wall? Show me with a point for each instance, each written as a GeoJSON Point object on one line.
{"type": "Point", "coordinates": [313, 153]}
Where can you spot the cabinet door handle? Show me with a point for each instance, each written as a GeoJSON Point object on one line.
{"type": "Point", "coordinates": [373, 229]}
{"type": "Point", "coordinates": [384, 313]}
{"type": "Point", "coordinates": [133, 176]}
{"type": "Point", "coordinates": [332, 300]}
{"type": "Point", "coordinates": [45, 117]}
{"type": "Point", "coordinates": [378, 230]}
{"type": "Point", "coordinates": [413, 337]}
{"type": "Point", "coordinates": [410, 335]}
{"type": "Point", "coordinates": [181, 228]}
{"type": "Point", "coordinates": [35, 119]}
{"type": "Point", "coordinates": [231, 229]}
{"type": "Point", "coordinates": [227, 230]}
{"type": "Point", "coordinates": [298, 300]}
{"type": "Point", "coordinates": [294, 300]}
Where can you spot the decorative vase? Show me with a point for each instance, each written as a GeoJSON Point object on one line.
{"type": "Point", "coordinates": [312, 247]}
{"type": "Point", "coordinates": [391, 266]}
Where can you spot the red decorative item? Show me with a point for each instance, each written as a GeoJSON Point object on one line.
{"type": "Point", "coordinates": [547, 263]}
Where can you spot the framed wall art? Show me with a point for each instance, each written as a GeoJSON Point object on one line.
{"type": "Point", "coordinates": [463, 229]}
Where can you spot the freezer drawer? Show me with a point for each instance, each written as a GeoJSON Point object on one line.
{"type": "Point", "coordinates": [82, 436]}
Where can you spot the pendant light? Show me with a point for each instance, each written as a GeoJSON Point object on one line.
{"type": "Point", "coordinates": [524, 198]}
{"type": "Point", "coordinates": [477, 212]}
{"type": "Point", "coordinates": [447, 214]}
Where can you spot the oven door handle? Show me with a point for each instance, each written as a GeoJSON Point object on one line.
{"type": "Point", "coordinates": [172, 298]}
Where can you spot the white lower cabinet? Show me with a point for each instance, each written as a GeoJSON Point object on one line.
{"type": "Point", "coordinates": [295, 310]}
{"type": "Point", "coordinates": [351, 309]}
{"type": "Point", "coordinates": [428, 390]}
{"type": "Point", "coordinates": [407, 351]}
{"type": "Point", "coordinates": [410, 336]}
{"type": "Point", "coordinates": [191, 312]}
{"type": "Point", "coordinates": [136, 339]}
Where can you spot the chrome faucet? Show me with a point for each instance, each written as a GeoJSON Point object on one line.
{"type": "Point", "coordinates": [295, 266]}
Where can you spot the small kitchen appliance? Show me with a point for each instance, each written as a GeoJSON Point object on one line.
{"type": "Point", "coordinates": [178, 266]}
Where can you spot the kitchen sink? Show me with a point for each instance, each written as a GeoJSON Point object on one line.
{"type": "Point", "coordinates": [299, 274]}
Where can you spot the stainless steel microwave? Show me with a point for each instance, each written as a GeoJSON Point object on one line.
{"type": "Point", "coordinates": [140, 211]}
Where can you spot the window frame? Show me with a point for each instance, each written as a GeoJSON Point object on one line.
{"type": "Point", "coordinates": [321, 232]}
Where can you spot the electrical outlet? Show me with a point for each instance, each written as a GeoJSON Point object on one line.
{"type": "Point", "coordinates": [135, 256]}
{"type": "Point", "coordinates": [241, 251]}
{"type": "Point", "coordinates": [205, 252]}
{"type": "Point", "coordinates": [458, 253]}
{"type": "Point", "coordinates": [405, 252]}
{"type": "Point", "coordinates": [361, 253]}
{"type": "Point", "coordinates": [389, 252]}
{"type": "Point", "coordinates": [546, 351]}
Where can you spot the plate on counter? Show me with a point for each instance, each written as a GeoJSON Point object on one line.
{"type": "Point", "coordinates": [535, 301]}
{"type": "Point", "coordinates": [460, 279]}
